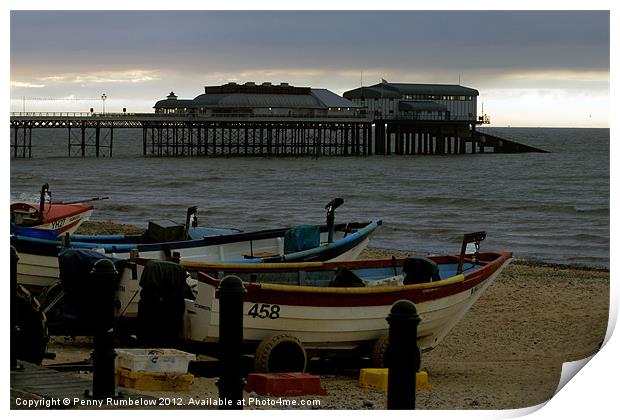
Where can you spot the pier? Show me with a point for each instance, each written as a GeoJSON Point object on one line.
{"type": "Point", "coordinates": [268, 119]}
{"type": "Point", "coordinates": [92, 134]}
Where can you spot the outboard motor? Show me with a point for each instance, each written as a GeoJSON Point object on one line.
{"type": "Point", "coordinates": [420, 270]}
{"type": "Point", "coordinates": [162, 303]}
{"type": "Point", "coordinates": [331, 217]}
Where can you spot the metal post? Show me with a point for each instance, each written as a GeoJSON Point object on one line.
{"type": "Point", "coordinates": [403, 358]}
{"type": "Point", "coordinates": [14, 259]}
{"type": "Point", "coordinates": [103, 280]}
{"type": "Point", "coordinates": [231, 380]}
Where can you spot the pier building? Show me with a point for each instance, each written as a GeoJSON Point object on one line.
{"type": "Point", "coordinates": [265, 99]}
{"type": "Point", "coordinates": [414, 101]}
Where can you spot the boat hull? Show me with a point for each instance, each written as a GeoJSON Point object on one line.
{"type": "Point", "coordinates": [342, 319]}
{"type": "Point", "coordinates": [38, 263]}
{"type": "Point", "coordinates": [62, 218]}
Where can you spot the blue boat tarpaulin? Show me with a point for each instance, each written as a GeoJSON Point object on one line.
{"type": "Point", "coordinates": [301, 238]}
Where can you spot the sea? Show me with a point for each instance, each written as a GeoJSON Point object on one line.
{"type": "Point", "coordinates": [546, 207]}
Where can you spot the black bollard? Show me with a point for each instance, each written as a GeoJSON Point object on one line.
{"type": "Point", "coordinates": [231, 380]}
{"type": "Point", "coordinates": [14, 327]}
{"type": "Point", "coordinates": [103, 280]}
{"type": "Point", "coordinates": [403, 355]}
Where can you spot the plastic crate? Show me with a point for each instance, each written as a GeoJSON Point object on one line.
{"type": "Point", "coordinates": [154, 381]}
{"type": "Point", "coordinates": [284, 384]}
{"type": "Point", "coordinates": [378, 379]}
{"type": "Point", "coordinates": [154, 360]}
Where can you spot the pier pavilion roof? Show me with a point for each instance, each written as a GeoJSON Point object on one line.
{"type": "Point", "coordinates": [266, 95]}
{"type": "Point", "coordinates": [396, 90]}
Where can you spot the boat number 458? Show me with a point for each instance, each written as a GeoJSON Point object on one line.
{"type": "Point", "coordinates": [264, 310]}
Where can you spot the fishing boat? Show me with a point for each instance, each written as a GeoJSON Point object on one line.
{"type": "Point", "coordinates": [60, 217]}
{"type": "Point", "coordinates": [293, 310]}
{"type": "Point", "coordinates": [326, 317]}
{"type": "Point", "coordinates": [311, 308]}
{"type": "Point", "coordinates": [38, 263]}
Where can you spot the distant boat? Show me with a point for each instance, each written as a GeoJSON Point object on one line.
{"type": "Point", "coordinates": [58, 217]}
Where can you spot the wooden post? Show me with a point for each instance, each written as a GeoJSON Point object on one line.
{"type": "Point", "coordinates": [190, 139]}
{"type": "Point", "coordinates": [83, 144]}
{"type": "Point", "coordinates": [15, 142]}
{"type": "Point", "coordinates": [29, 141]}
{"type": "Point", "coordinates": [97, 133]}
{"type": "Point", "coordinates": [421, 143]}
{"type": "Point", "coordinates": [144, 137]}
{"type": "Point", "coordinates": [345, 147]}
{"type": "Point", "coordinates": [111, 137]}
{"type": "Point", "coordinates": [368, 139]}
{"type": "Point", "coordinates": [230, 140]}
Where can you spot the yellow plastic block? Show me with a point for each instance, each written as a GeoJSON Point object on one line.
{"type": "Point", "coordinates": [421, 382]}
{"type": "Point", "coordinates": [373, 378]}
{"type": "Point", "coordinates": [378, 379]}
{"type": "Point", "coordinates": [154, 381]}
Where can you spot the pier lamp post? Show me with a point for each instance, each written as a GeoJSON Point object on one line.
{"type": "Point", "coordinates": [103, 98]}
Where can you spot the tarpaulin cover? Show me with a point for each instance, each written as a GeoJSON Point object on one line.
{"type": "Point", "coordinates": [75, 266]}
{"type": "Point", "coordinates": [162, 302]}
{"type": "Point", "coordinates": [301, 238]}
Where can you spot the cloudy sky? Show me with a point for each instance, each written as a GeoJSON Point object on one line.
{"type": "Point", "coordinates": [532, 68]}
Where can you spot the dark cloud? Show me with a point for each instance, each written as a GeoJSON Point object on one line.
{"type": "Point", "coordinates": [219, 41]}
{"type": "Point", "coordinates": [559, 60]}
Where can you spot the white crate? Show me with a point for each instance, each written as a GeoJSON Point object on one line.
{"type": "Point", "coordinates": [154, 360]}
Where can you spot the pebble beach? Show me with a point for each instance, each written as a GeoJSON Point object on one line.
{"type": "Point", "coordinates": [506, 353]}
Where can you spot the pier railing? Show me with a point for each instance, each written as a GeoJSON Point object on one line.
{"type": "Point", "coordinates": [183, 116]}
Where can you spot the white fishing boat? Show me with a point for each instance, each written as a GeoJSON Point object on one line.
{"type": "Point", "coordinates": [324, 317]}
{"type": "Point", "coordinates": [38, 258]}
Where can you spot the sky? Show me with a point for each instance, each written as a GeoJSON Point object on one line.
{"type": "Point", "coordinates": [532, 68]}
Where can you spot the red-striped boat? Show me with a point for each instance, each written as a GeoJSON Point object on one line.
{"type": "Point", "coordinates": [305, 304]}
{"type": "Point", "coordinates": [61, 217]}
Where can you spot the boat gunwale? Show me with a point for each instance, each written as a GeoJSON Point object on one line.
{"type": "Point", "coordinates": [470, 280]}
{"type": "Point", "coordinates": [252, 267]}
{"type": "Point", "coordinates": [362, 227]}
